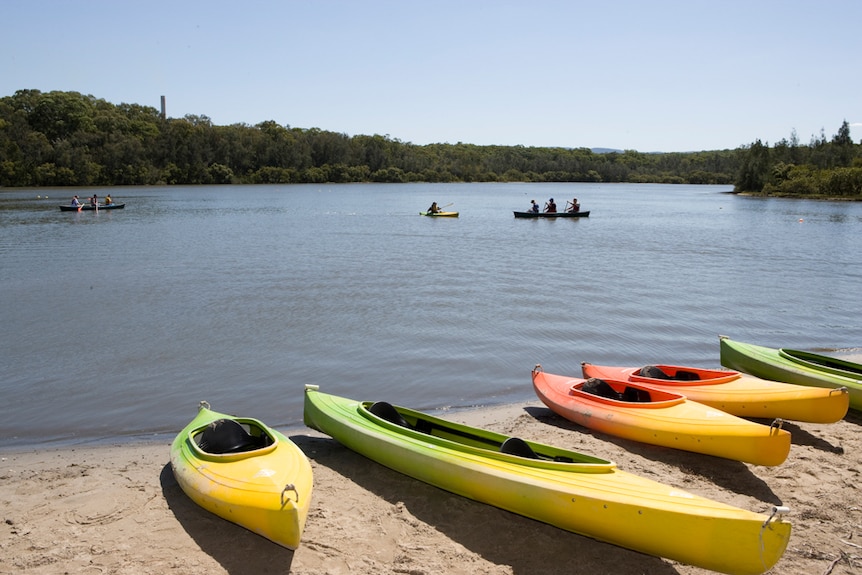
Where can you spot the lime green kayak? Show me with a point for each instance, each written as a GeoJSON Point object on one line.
{"type": "Point", "coordinates": [573, 491]}
{"type": "Point", "coordinates": [794, 366]}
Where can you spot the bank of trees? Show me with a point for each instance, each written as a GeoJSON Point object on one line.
{"type": "Point", "coordinates": [71, 139]}
{"type": "Point", "coordinates": [821, 169]}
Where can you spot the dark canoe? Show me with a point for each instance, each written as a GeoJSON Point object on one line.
{"type": "Point", "coordinates": [552, 214]}
{"type": "Point", "coordinates": [89, 208]}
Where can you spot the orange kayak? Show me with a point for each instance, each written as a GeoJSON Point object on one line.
{"type": "Point", "coordinates": [639, 413]}
{"type": "Point", "coordinates": [734, 392]}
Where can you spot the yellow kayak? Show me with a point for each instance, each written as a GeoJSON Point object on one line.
{"type": "Point", "coordinates": [440, 214]}
{"type": "Point", "coordinates": [570, 490]}
{"type": "Point", "coordinates": [734, 392]}
{"type": "Point", "coordinates": [636, 412]}
{"type": "Point", "coordinates": [245, 472]}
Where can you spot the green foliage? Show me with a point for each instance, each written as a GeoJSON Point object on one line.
{"type": "Point", "coordinates": [823, 169]}
{"type": "Point", "coordinates": [66, 138]}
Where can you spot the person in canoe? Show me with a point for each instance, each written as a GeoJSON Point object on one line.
{"type": "Point", "coordinates": [573, 206]}
{"type": "Point", "coordinates": [94, 201]}
{"type": "Point", "coordinates": [550, 207]}
{"type": "Point", "coordinates": [534, 207]}
{"type": "Point", "coordinates": [108, 200]}
{"type": "Point", "coordinates": [76, 203]}
{"type": "Point", "coordinates": [434, 209]}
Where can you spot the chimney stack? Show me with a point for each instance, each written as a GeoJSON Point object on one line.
{"type": "Point", "coordinates": [164, 115]}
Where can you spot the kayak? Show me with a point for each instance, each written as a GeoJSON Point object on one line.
{"type": "Point", "coordinates": [89, 208]}
{"type": "Point", "coordinates": [636, 412]}
{"type": "Point", "coordinates": [734, 392]}
{"type": "Point", "coordinates": [245, 472]}
{"type": "Point", "coordinates": [794, 366]}
{"type": "Point", "coordinates": [585, 214]}
{"type": "Point", "coordinates": [570, 490]}
{"type": "Point", "coordinates": [440, 214]}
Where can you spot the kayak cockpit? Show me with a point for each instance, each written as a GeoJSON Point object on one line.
{"type": "Point", "coordinates": [428, 429]}
{"type": "Point", "coordinates": [230, 439]}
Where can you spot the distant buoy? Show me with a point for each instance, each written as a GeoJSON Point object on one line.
{"type": "Point", "coordinates": [38, 197]}
{"type": "Point", "coordinates": [800, 220]}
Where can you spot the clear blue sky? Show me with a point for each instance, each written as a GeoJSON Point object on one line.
{"type": "Point", "coordinates": [657, 75]}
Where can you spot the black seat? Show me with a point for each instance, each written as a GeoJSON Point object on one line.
{"type": "Point", "coordinates": [685, 375]}
{"type": "Point", "coordinates": [653, 372]}
{"type": "Point", "coordinates": [519, 447]}
{"type": "Point", "coordinates": [601, 388]}
{"type": "Point", "coordinates": [636, 394]}
{"type": "Point", "coordinates": [227, 436]}
{"type": "Point", "coordinates": [387, 411]}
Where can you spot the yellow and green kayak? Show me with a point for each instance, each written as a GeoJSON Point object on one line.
{"type": "Point", "coordinates": [573, 491]}
{"type": "Point", "coordinates": [245, 472]}
{"type": "Point", "coordinates": [794, 366]}
{"type": "Point", "coordinates": [440, 214]}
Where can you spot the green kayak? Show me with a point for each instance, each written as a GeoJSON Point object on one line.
{"type": "Point", "coordinates": [570, 490]}
{"type": "Point", "coordinates": [794, 366]}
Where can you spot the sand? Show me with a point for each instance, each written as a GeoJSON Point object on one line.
{"type": "Point", "coordinates": [118, 509]}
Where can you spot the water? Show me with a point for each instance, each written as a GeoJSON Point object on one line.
{"type": "Point", "coordinates": [116, 324]}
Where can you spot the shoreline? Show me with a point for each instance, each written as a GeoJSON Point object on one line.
{"type": "Point", "coordinates": [116, 508]}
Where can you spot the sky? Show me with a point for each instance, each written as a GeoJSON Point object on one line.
{"type": "Point", "coordinates": [646, 75]}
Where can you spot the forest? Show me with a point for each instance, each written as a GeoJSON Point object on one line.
{"type": "Point", "coordinates": [69, 139]}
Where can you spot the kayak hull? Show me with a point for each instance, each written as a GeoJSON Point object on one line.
{"type": "Point", "coordinates": [736, 393]}
{"type": "Point", "coordinates": [794, 366]}
{"type": "Point", "coordinates": [585, 494]}
{"type": "Point", "coordinates": [267, 490]}
{"type": "Point", "coordinates": [666, 419]}
{"type": "Point", "coordinates": [552, 215]}
{"type": "Point", "coordinates": [439, 214]}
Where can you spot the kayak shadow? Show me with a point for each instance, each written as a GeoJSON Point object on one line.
{"type": "Point", "coordinates": [236, 549]}
{"type": "Point", "coordinates": [503, 538]}
{"type": "Point", "coordinates": [729, 474]}
{"type": "Point", "coordinates": [854, 416]}
{"type": "Point", "coordinates": [800, 436]}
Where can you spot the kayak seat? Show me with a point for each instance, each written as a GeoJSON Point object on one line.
{"type": "Point", "coordinates": [601, 388]}
{"type": "Point", "coordinates": [653, 372]}
{"type": "Point", "coordinates": [227, 436]}
{"type": "Point", "coordinates": [517, 446]}
{"type": "Point", "coordinates": [636, 395]}
{"type": "Point", "coordinates": [685, 375]}
{"type": "Point", "coordinates": [387, 411]}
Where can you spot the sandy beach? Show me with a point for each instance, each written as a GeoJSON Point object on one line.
{"type": "Point", "coordinates": [118, 509]}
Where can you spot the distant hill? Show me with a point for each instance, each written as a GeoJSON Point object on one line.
{"type": "Point", "coordinates": [615, 151]}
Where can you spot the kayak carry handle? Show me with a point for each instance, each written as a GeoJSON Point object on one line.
{"type": "Point", "coordinates": [289, 487]}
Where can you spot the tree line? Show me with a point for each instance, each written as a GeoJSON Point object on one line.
{"type": "Point", "coordinates": [822, 169]}
{"type": "Point", "coordinates": [70, 139]}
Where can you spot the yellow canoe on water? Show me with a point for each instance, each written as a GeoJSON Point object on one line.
{"type": "Point", "coordinates": [567, 489]}
{"type": "Point", "coordinates": [734, 392]}
{"type": "Point", "coordinates": [636, 412]}
{"type": "Point", "coordinates": [245, 472]}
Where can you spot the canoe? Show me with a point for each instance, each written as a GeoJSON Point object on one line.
{"type": "Point", "coordinates": [245, 472]}
{"type": "Point", "coordinates": [635, 412]}
{"type": "Point", "coordinates": [585, 214]}
{"type": "Point", "coordinates": [794, 366]}
{"type": "Point", "coordinates": [734, 392]}
{"type": "Point", "coordinates": [570, 490]}
{"type": "Point", "coordinates": [89, 208]}
{"type": "Point", "coordinates": [440, 214]}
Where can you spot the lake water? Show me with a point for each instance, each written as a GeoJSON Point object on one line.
{"type": "Point", "coordinates": [116, 324]}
